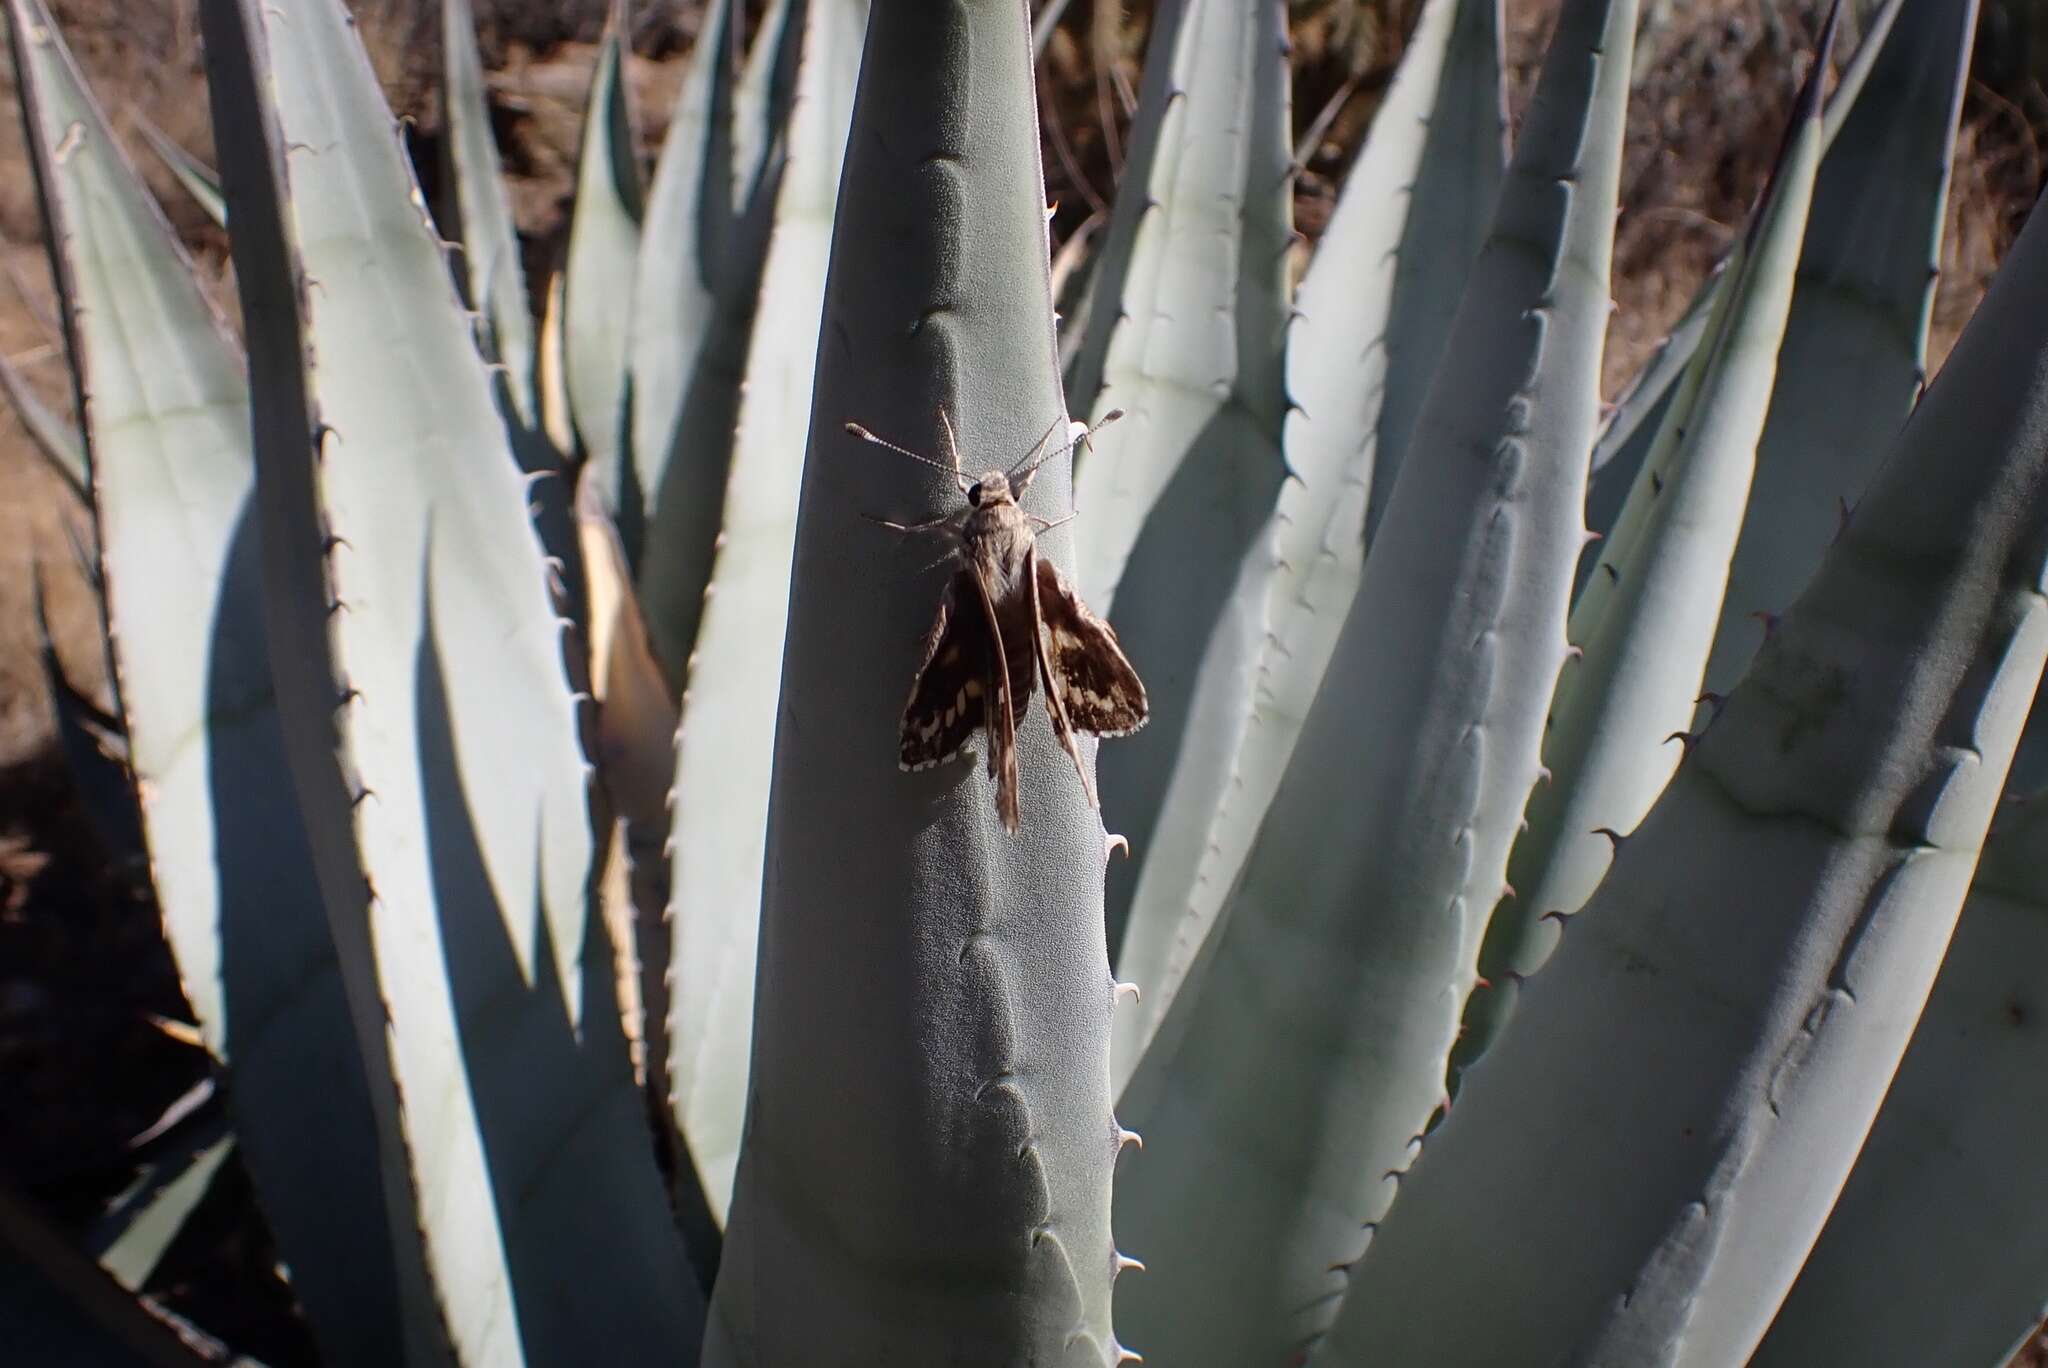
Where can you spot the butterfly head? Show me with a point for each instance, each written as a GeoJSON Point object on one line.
{"type": "Point", "coordinates": [991, 490]}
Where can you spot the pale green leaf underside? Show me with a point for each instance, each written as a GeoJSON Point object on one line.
{"type": "Point", "coordinates": [1355, 929]}
{"type": "Point", "coordinates": [725, 746]}
{"type": "Point", "coordinates": [494, 277]}
{"type": "Point", "coordinates": [1371, 317]}
{"type": "Point", "coordinates": [540, 1205]}
{"type": "Point", "coordinates": [1745, 981]}
{"type": "Point", "coordinates": [194, 177]}
{"type": "Point", "coordinates": [929, 1145]}
{"type": "Point", "coordinates": [597, 291]}
{"type": "Point", "coordinates": [55, 439]}
{"type": "Point", "coordinates": [1933, 1253]}
{"type": "Point", "coordinates": [1179, 495]}
{"type": "Point", "coordinates": [1646, 621]}
{"type": "Point", "coordinates": [169, 439]}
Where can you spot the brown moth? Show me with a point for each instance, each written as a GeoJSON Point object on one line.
{"type": "Point", "coordinates": [1009, 619]}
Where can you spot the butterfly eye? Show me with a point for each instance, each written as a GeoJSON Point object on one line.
{"type": "Point", "coordinates": [974, 495]}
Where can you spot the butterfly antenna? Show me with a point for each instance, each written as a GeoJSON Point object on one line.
{"type": "Point", "coordinates": [1080, 440]}
{"type": "Point", "coordinates": [1035, 447]}
{"type": "Point", "coordinates": [952, 448]}
{"type": "Point", "coordinates": [856, 430]}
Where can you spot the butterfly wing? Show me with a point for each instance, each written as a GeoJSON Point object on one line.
{"type": "Point", "coordinates": [1055, 709]}
{"type": "Point", "coordinates": [1099, 690]}
{"type": "Point", "coordinates": [1015, 618]}
{"type": "Point", "coordinates": [947, 698]}
{"type": "Point", "coordinates": [1002, 715]}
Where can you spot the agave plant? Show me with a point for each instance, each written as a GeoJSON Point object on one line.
{"type": "Point", "coordinates": [510, 705]}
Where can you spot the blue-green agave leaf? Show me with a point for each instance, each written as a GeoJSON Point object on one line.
{"type": "Point", "coordinates": [725, 746]}
{"type": "Point", "coordinates": [433, 735]}
{"type": "Point", "coordinates": [690, 213]}
{"type": "Point", "coordinates": [597, 286]}
{"type": "Point", "coordinates": [55, 440]}
{"type": "Point", "coordinates": [1638, 417]}
{"type": "Point", "coordinates": [1176, 541]}
{"type": "Point", "coordinates": [685, 520]}
{"type": "Point", "coordinates": [1932, 1254]}
{"type": "Point", "coordinates": [1191, 292]}
{"type": "Point", "coordinates": [194, 176]}
{"type": "Point", "coordinates": [1644, 625]}
{"type": "Point", "coordinates": [760, 99]}
{"type": "Point", "coordinates": [633, 744]}
{"type": "Point", "coordinates": [492, 277]}
{"type": "Point", "coordinates": [1354, 931]}
{"type": "Point", "coordinates": [58, 1307]}
{"type": "Point", "coordinates": [1856, 345]}
{"type": "Point", "coordinates": [95, 753]}
{"type": "Point", "coordinates": [1379, 297]}
{"type": "Point", "coordinates": [131, 1239]}
{"type": "Point", "coordinates": [1625, 441]}
{"type": "Point", "coordinates": [1636, 1171]}
{"type": "Point", "coordinates": [1370, 322]}
{"type": "Point", "coordinates": [162, 387]}
{"type": "Point", "coordinates": [929, 1140]}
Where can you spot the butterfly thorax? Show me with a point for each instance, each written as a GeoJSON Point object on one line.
{"type": "Point", "coordinates": [996, 535]}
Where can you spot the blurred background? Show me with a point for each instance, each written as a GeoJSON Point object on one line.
{"type": "Point", "coordinates": [93, 1042]}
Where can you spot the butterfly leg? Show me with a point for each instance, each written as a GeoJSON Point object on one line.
{"type": "Point", "coordinates": [931, 525]}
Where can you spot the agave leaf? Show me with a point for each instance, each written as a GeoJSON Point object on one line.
{"type": "Point", "coordinates": [1121, 268]}
{"type": "Point", "coordinates": [1179, 504]}
{"type": "Point", "coordinates": [56, 1306]}
{"type": "Point", "coordinates": [931, 1058]}
{"type": "Point", "coordinates": [493, 278]}
{"type": "Point", "coordinates": [1638, 417]}
{"type": "Point", "coordinates": [1933, 1255]}
{"type": "Point", "coordinates": [1370, 322]}
{"type": "Point", "coordinates": [636, 722]}
{"type": "Point", "coordinates": [54, 439]}
{"type": "Point", "coordinates": [442, 780]}
{"type": "Point", "coordinates": [194, 176]}
{"type": "Point", "coordinates": [1644, 625]}
{"type": "Point", "coordinates": [133, 1237]}
{"type": "Point", "coordinates": [166, 401]}
{"type": "Point", "coordinates": [725, 747]}
{"type": "Point", "coordinates": [1859, 321]}
{"type": "Point", "coordinates": [1042, 28]}
{"type": "Point", "coordinates": [635, 755]}
{"type": "Point", "coordinates": [597, 285]}
{"type": "Point", "coordinates": [760, 100]}
{"type": "Point", "coordinates": [94, 752]}
{"type": "Point", "coordinates": [1073, 282]}
{"type": "Point", "coordinates": [550, 382]}
{"type": "Point", "coordinates": [1625, 442]}
{"type": "Point", "coordinates": [689, 215]}
{"type": "Point", "coordinates": [1191, 292]}
{"type": "Point", "coordinates": [686, 520]}
{"type": "Point", "coordinates": [1380, 295]}
{"type": "Point", "coordinates": [1742, 987]}
{"type": "Point", "coordinates": [1355, 927]}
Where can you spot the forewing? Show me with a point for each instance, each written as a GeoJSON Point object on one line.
{"type": "Point", "coordinates": [1002, 720]}
{"type": "Point", "coordinates": [946, 701]}
{"type": "Point", "coordinates": [1015, 618]}
{"type": "Point", "coordinates": [1101, 692]}
{"type": "Point", "coordinates": [1055, 707]}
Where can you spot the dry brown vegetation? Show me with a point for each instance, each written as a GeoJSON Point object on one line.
{"type": "Point", "coordinates": [83, 971]}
